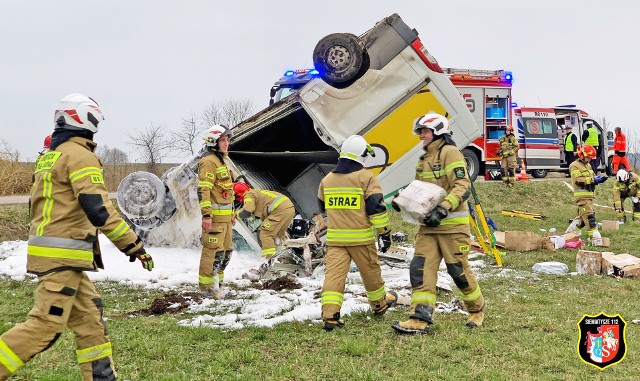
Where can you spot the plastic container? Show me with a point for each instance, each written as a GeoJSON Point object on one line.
{"type": "Point", "coordinates": [495, 112]}
{"type": "Point", "coordinates": [496, 134]}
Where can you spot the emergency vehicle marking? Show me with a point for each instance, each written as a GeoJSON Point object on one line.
{"type": "Point", "coordinates": [534, 127]}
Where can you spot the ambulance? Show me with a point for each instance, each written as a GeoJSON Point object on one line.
{"type": "Point", "coordinates": [541, 132]}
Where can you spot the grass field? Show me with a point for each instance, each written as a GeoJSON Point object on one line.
{"type": "Point", "coordinates": [530, 331]}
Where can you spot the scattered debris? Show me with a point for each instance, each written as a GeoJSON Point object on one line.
{"type": "Point", "coordinates": [171, 303]}
{"type": "Point", "coordinates": [287, 282]}
{"type": "Point", "coordinates": [253, 275]}
{"type": "Point", "coordinates": [553, 268]}
{"type": "Point", "coordinates": [399, 237]}
{"type": "Point", "coordinates": [455, 305]}
{"type": "Point", "coordinates": [589, 262]}
{"type": "Point", "coordinates": [523, 214]}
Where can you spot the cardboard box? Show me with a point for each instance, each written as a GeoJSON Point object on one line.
{"type": "Point", "coordinates": [589, 262]}
{"type": "Point", "coordinates": [621, 265]}
{"type": "Point", "coordinates": [610, 225]}
{"type": "Point", "coordinates": [601, 242]}
{"type": "Point", "coordinates": [571, 237]}
{"type": "Point", "coordinates": [522, 241]}
{"type": "Point", "coordinates": [558, 241]}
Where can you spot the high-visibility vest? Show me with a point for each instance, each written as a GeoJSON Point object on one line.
{"type": "Point", "coordinates": [592, 139]}
{"type": "Point", "coordinates": [568, 143]}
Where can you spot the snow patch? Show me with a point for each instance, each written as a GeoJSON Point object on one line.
{"type": "Point", "coordinates": [176, 270]}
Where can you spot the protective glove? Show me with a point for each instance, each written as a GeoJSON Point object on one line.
{"type": "Point", "coordinates": [601, 179]}
{"type": "Point", "coordinates": [143, 257]}
{"type": "Point", "coordinates": [395, 206]}
{"type": "Point", "coordinates": [591, 187]}
{"type": "Point", "coordinates": [384, 242]}
{"type": "Point", "coordinates": [434, 217]}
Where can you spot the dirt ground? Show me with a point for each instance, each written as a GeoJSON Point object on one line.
{"type": "Point", "coordinates": [171, 303]}
{"type": "Point", "coordinates": [287, 282]}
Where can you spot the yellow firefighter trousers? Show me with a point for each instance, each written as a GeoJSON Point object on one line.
{"type": "Point", "coordinates": [217, 246]}
{"type": "Point", "coordinates": [337, 262]}
{"type": "Point", "coordinates": [508, 164]}
{"type": "Point", "coordinates": [586, 212]}
{"type": "Point", "coordinates": [423, 271]}
{"type": "Point", "coordinates": [63, 298]}
{"type": "Point", "coordinates": [275, 225]}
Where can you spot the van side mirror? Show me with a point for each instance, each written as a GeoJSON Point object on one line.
{"type": "Point", "coordinates": [609, 135]}
{"type": "Point", "coordinates": [272, 92]}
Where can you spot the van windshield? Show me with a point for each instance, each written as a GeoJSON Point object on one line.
{"type": "Point", "coordinates": [284, 92]}
{"type": "Point", "coordinates": [541, 128]}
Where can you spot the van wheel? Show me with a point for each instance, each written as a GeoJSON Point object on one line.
{"type": "Point", "coordinates": [340, 58]}
{"type": "Point", "coordinates": [473, 164]}
{"type": "Point", "coordinates": [539, 173]}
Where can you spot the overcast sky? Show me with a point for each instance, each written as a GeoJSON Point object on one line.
{"type": "Point", "coordinates": [157, 61]}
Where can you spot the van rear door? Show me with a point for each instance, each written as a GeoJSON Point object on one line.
{"type": "Point", "coordinates": [538, 137]}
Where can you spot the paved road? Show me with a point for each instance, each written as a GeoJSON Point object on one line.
{"type": "Point", "coordinates": [8, 200]}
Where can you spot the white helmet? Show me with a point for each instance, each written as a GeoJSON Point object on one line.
{"type": "Point", "coordinates": [622, 176]}
{"type": "Point", "coordinates": [78, 112]}
{"type": "Point", "coordinates": [436, 122]}
{"type": "Point", "coordinates": [214, 133]}
{"type": "Point", "coordinates": [356, 148]}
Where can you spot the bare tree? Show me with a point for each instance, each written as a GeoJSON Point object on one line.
{"type": "Point", "coordinates": [229, 112]}
{"type": "Point", "coordinates": [186, 139]}
{"type": "Point", "coordinates": [152, 145]}
{"type": "Point", "coordinates": [7, 153]}
{"type": "Point", "coordinates": [111, 155]}
{"type": "Point", "coordinates": [237, 110]}
{"type": "Point", "coordinates": [633, 148]}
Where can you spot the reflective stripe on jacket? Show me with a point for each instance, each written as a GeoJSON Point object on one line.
{"type": "Point", "coordinates": [628, 189]}
{"type": "Point", "coordinates": [261, 203]}
{"type": "Point", "coordinates": [444, 165]}
{"type": "Point", "coordinates": [592, 139]}
{"type": "Point", "coordinates": [63, 233]}
{"type": "Point", "coordinates": [568, 143]}
{"type": "Point", "coordinates": [582, 177]}
{"type": "Point", "coordinates": [509, 145]}
{"type": "Point", "coordinates": [215, 188]}
{"type": "Point", "coordinates": [344, 196]}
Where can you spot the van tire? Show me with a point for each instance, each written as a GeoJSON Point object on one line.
{"type": "Point", "coordinates": [340, 58]}
{"type": "Point", "coordinates": [473, 164]}
{"type": "Point", "coordinates": [539, 173]}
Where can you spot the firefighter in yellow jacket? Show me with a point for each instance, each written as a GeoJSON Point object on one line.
{"type": "Point", "coordinates": [584, 182]}
{"type": "Point", "coordinates": [352, 199]}
{"type": "Point", "coordinates": [445, 233]}
{"type": "Point", "coordinates": [627, 186]}
{"type": "Point", "coordinates": [509, 152]}
{"type": "Point", "coordinates": [274, 209]}
{"type": "Point", "coordinates": [69, 205]}
{"type": "Point", "coordinates": [215, 191]}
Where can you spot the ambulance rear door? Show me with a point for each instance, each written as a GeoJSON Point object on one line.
{"type": "Point", "coordinates": [540, 144]}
